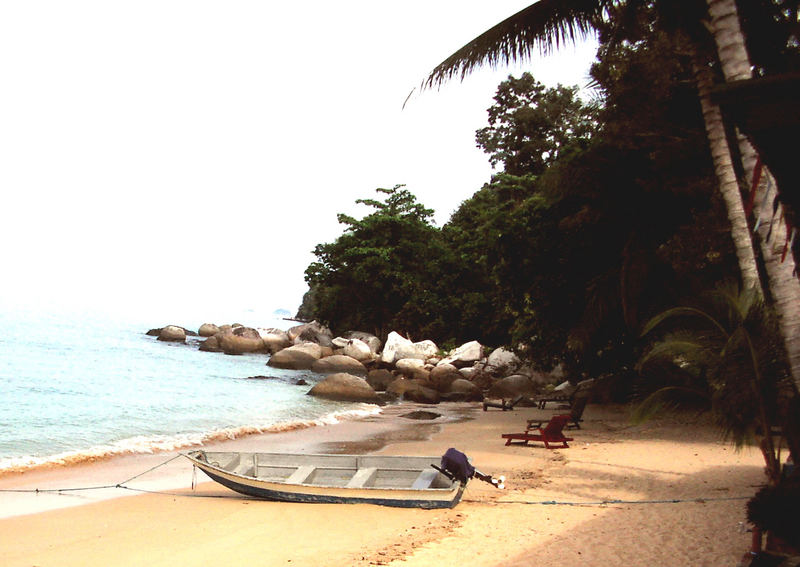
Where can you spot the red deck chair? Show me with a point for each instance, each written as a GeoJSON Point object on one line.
{"type": "Point", "coordinates": [551, 434]}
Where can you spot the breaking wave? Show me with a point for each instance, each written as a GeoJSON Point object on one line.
{"type": "Point", "coordinates": [163, 443]}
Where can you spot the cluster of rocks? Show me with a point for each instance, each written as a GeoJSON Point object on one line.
{"type": "Point", "coordinates": [358, 369]}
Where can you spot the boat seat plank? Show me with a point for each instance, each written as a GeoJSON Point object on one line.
{"type": "Point", "coordinates": [425, 479]}
{"type": "Point", "coordinates": [362, 477]}
{"type": "Point", "coordinates": [301, 475]}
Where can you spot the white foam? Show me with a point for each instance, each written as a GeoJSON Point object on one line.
{"type": "Point", "coordinates": [141, 444]}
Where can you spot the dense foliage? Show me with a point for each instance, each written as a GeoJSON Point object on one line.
{"type": "Point", "coordinates": [375, 276]}
{"type": "Point", "coordinates": [601, 215]}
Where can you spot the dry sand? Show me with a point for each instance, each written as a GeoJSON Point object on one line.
{"type": "Point", "coordinates": [683, 494]}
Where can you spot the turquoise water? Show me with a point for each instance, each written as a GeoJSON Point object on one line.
{"type": "Point", "coordinates": [73, 390]}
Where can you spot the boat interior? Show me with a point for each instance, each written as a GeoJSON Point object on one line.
{"type": "Point", "coordinates": [349, 471]}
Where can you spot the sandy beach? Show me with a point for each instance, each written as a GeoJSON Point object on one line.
{"type": "Point", "coordinates": [668, 492]}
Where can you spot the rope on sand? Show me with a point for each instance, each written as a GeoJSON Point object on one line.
{"type": "Point", "coordinates": [608, 502]}
{"type": "Point", "coordinates": [83, 488]}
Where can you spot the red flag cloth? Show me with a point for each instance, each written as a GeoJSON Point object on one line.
{"type": "Point", "coordinates": [756, 179]}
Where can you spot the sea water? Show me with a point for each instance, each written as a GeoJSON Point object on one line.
{"type": "Point", "coordinates": [74, 389]}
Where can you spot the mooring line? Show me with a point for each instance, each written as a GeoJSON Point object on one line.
{"type": "Point", "coordinates": [607, 502]}
{"type": "Point", "coordinates": [86, 488]}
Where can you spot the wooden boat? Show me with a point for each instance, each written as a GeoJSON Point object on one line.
{"type": "Point", "coordinates": [407, 482]}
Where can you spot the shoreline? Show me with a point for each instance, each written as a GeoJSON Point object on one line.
{"type": "Point", "coordinates": [665, 492]}
{"type": "Point", "coordinates": [354, 434]}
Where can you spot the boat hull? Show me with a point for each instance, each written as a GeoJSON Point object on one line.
{"type": "Point", "coordinates": [446, 495]}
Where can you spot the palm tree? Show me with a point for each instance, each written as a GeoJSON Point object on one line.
{"type": "Point", "coordinates": [550, 23]}
{"type": "Point", "coordinates": [784, 287]}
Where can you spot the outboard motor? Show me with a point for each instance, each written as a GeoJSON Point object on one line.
{"type": "Point", "coordinates": [456, 465]}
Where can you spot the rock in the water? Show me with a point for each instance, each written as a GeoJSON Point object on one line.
{"type": "Point", "coordinates": [208, 330]}
{"type": "Point", "coordinates": [339, 363]}
{"type": "Point", "coordinates": [298, 357]}
{"type": "Point", "coordinates": [379, 379]}
{"type": "Point", "coordinates": [413, 390]}
{"type": "Point", "coordinates": [422, 395]}
{"type": "Point", "coordinates": [240, 344]}
{"type": "Point", "coordinates": [345, 387]}
{"type": "Point", "coordinates": [211, 344]}
{"type": "Point", "coordinates": [421, 414]}
{"type": "Point", "coordinates": [172, 333]}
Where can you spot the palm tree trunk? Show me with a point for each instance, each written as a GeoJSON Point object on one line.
{"type": "Point", "coordinates": [728, 186]}
{"type": "Point", "coordinates": [784, 287]}
{"type": "Point", "coordinates": [740, 231]}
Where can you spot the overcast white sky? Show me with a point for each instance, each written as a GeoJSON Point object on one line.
{"type": "Point", "coordinates": [177, 158]}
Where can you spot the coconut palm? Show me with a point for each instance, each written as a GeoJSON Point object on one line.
{"type": "Point", "coordinates": [784, 287]}
{"type": "Point", "coordinates": [547, 24]}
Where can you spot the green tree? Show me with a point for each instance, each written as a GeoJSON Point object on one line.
{"type": "Point", "coordinates": [530, 126]}
{"type": "Point", "coordinates": [374, 275]}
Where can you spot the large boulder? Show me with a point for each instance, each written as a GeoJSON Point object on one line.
{"type": "Point", "coordinates": [274, 339]}
{"type": "Point", "coordinates": [512, 386]}
{"type": "Point", "coordinates": [464, 390]}
{"type": "Point", "coordinates": [345, 387]}
{"type": "Point", "coordinates": [502, 362]}
{"type": "Point", "coordinates": [312, 349]}
{"type": "Point", "coordinates": [312, 332]}
{"type": "Point", "coordinates": [208, 330]}
{"type": "Point", "coordinates": [413, 390]}
{"type": "Point", "coordinates": [373, 342]}
{"type": "Point", "coordinates": [339, 363]}
{"type": "Point", "coordinates": [172, 333]}
{"type": "Point", "coordinates": [422, 350]}
{"type": "Point", "coordinates": [442, 375]}
{"type": "Point", "coordinates": [211, 344]}
{"type": "Point", "coordinates": [398, 347]}
{"type": "Point", "coordinates": [240, 343]}
{"type": "Point", "coordinates": [465, 355]}
{"type": "Point", "coordinates": [297, 357]}
{"type": "Point", "coordinates": [469, 372]}
{"type": "Point", "coordinates": [413, 368]}
{"type": "Point", "coordinates": [379, 379]}
{"type": "Point", "coordinates": [422, 394]}
{"type": "Point", "coordinates": [246, 332]}
{"type": "Point", "coordinates": [354, 348]}
{"type": "Point", "coordinates": [393, 342]}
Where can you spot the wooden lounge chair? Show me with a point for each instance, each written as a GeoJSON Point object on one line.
{"type": "Point", "coordinates": [551, 434]}
{"type": "Point", "coordinates": [503, 404]}
{"type": "Point", "coordinates": [576, 414]}
{"type": "Point", "coordinates": [583, 388]}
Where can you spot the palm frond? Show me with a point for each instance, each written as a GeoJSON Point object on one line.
{"type": "Point", "coordinates": [669, 398]}
{"type": "Point", "coordinates": [548, 24]}
{"type": "Point", "coordinates": [675, 347]}
{"type": "Point", "coordinates": [682, 311]}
